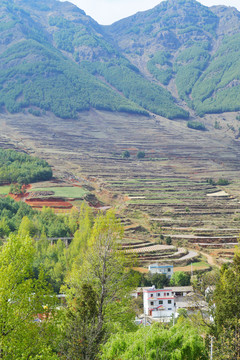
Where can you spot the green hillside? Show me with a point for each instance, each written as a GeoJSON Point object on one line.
{"type": "Point", "coordinates": [47, 62]}
{"type": "Point", "coordinates": [53, 83]}
{"type": "Point", "coordinates": [176, 57]}
{"type": "Point", "coordinates": [190, 45]}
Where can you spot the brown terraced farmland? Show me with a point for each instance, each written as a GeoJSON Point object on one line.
{"type": "Point", "coordinates": [164, 194]}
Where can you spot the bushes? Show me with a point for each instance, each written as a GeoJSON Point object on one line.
{"type": "Point", "coordinates": [141, 154]}
{"type": "Point", "coordinates": [196, 125]}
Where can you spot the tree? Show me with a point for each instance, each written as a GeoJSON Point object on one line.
{"type": "Point", "coordinates": [159, 280]}
{"type": "Point", "coordinates": [21, 299]}
{"type": "Point", "coordinates": [104, 269]}
{"type": "Point", "coordinates": [168, 240]}
{"type": "Point", "coordinates": [141, 154]}
{"type": "Point", "coordinates": [125, 154]}
{"type": "Point", "coordinates": [81, 335]}
{"type": "Point", "coordinates": [180, 278]}
{"type": "Point", "coordinates": [179, 342]}
{"type": "Point", "coordinates": [226, 327]}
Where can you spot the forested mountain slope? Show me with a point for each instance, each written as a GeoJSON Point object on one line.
{"type": "Point", "coordinates": [54, 57]}
{"type": "Point", "coordinates": [177, 57]}
{"type": "Point", "coordinates": [183, 43]}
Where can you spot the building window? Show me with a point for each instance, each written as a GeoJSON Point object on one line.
{"type": "Point", "coordinates": [160, 302]}
{"type": "Point", "coordinates": [152, 302]}
{"type": "Point", "coordinates": [164, 294]}
{"type": "Point", "coordinates": [169, 308]}
{"type": "Point", "coordinates": [169, 301]}
{"type": "Point", "coordinates": [169, 269]}
{"type": "Point", "coordinates": [167, 294]}
{"type": "Point", "coordinates": [158, 294]}
{"type": "Point", "coordinates": [151, 295]}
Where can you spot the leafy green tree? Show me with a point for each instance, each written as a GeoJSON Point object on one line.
{"type": "Point", "coordinates": [141, 154]}
{"type": "Point", "coordinates": [180, 278]}
{"type": "Point", "coordinates": [159, 280]}
{"type": "Point", "coordinates": [21, 299]}
{"type": "Point", "coordinates": [180, 342]}
{"type": "Point", "coordinates": [26, 227]}
{"type": "Point", "coordinates": [4, 227]}
{"type": "Point", "coordinates": [79, 244]}
{"type": "Point", "coordinates": [168, 240]}
{"type": "Point", "coordinates": [125, 154]}
{"type": "Point", "coordinates": [224, 303]}
{"type": "Point", "coordinates": [81, 334]}
{"type": "Point", "coordinates": [104, 268]}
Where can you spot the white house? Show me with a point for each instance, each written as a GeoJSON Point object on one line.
{"type": "Point", "coordinates": [161, 269]}
{"type": "Point", "coordinates": [158, 302]}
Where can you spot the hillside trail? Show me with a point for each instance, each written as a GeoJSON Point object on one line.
{"type": "Point", "coordinates": [210, 259]}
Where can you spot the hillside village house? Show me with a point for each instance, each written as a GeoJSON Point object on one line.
{"type": "Point", "coordinates": [158, 303]}
{"type": "Point", "coordinates": [161, 269]}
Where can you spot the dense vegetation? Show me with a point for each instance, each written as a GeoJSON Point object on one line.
{"type": "Point", "coordinates": [196, 125]}
{"type": "Point", "coordinates": [53, 78]}
{"type": "Point", "coordinates": [218, 88]}
{"type": "Point", "coordinates": [181, 39]}
{"type": "Point", "coordinates": [59, 85]}
{"type": "Point", "coordinates": [22, 168]}
{"type": "Point", "coordinates": [179, 342]}
{"type": "Point", "coordinates": [128, 80]}
{"type": "Point", "coordinates": [92, 272]}
{"type": "Point", "coordinates": [75, 66]}
{"type": "Point", "coordinates": [163, 75]}
{"type": "Point", "coordinates": [40, 223]}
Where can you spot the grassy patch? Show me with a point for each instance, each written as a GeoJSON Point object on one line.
{"type": "Point", "coordinates": [4, 190]}
{"type": "Point", "coordinates": [65, 191]}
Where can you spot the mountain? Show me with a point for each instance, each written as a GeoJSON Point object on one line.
{"type": "Point", "coordinates": [176, 58]}
{"type": "Point", "coordinates": [54, 57]}
{"type": "Point", "coordinates": [189, 48]}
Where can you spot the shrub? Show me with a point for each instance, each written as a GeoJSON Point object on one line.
{"type": "Point", "coordinates": [125, 154]}
{"type": "Point", "coordinates": [169, 240]}
{"type": "Point", "coordinates": [196, 125]}
{"type": "Point", "coordinates": [141, 155]}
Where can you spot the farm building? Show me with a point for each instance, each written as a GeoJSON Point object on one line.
{"type": "Point", "coordinates": [161, 269]}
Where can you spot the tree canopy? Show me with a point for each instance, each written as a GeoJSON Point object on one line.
{"type": "Point", "coordinates": [22, 168]}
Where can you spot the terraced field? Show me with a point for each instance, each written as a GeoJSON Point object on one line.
{"type": "Point", "coordinates": [164, 194]}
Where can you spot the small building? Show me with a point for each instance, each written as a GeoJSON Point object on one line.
{"type": "Point", "coordinates": [181, 290]}
{"type": "Point", "coordinates": [139, 291]}
{"type": "Point", "coordinates": [161, 269]}
{"type": "Point", "coordinates": [158, 303]}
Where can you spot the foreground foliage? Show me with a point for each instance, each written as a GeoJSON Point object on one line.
{"type": "Point", "coordinates": [98, 289]}
{"type": "Point", "coordinates": [22, 298]}
{"type": "Point", "coordinates": [179, 342]}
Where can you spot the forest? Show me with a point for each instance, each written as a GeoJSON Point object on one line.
{"type": "Point", "coordinates": [17, 167]}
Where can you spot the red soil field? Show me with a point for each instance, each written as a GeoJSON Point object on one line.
{"type": "Point", "coordinates": [55, 203]}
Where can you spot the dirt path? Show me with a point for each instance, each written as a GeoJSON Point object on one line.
{"type": "Point", "coordinates": [210, 259]}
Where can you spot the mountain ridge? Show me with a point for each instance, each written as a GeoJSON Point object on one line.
{"type": "Point", "coordinates": [53, 57]}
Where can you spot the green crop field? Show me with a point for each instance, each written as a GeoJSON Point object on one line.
{"type": "Point", "coordinates": [4, 190]}
{"type": "Point", "coordinates": [67, 192]}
